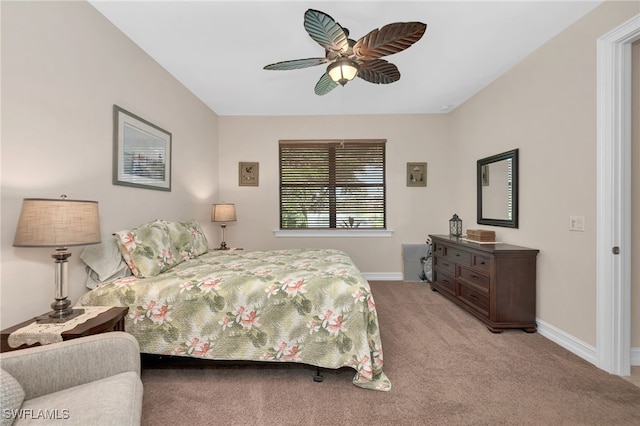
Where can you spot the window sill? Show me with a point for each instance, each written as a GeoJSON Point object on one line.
{"type": "Point", "coordinates": [333, 233]}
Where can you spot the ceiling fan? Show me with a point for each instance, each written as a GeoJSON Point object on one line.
{"type": "Point", "coordinates": [348, 58]}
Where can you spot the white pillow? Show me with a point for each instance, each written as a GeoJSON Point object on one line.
{"type": "Point", "coordinates": [104, 263]}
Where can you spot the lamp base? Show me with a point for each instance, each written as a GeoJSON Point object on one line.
{"type": "Point", "coordinates": [58, 317]}
{"type": "Point", "coordinates": [62, 312]}
{"type": "Point", "coordinates": [223, 246]}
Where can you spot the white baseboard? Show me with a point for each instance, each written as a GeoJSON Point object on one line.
{"type": "Point", "coordinates": [578, 347]}
{"type": "Point", "coordinates": [382, 276]}
{"type": "Point", "coordinates": [567, 341]}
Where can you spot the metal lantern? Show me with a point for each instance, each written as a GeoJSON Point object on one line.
{"type": "Point", "coordinates": [455, 226]}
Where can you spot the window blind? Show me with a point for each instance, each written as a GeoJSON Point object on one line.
{"type": "Point", "coordinates": [332, 184]}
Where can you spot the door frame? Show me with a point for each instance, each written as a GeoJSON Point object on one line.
{"type": "Point", "coordinates": [613, 282]}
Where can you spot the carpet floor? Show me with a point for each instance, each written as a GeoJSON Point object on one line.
{"type": "Point", "coordinates": [444, 365]}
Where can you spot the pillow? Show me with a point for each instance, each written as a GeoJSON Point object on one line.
{"type": "Point", "coordinates": [11, 397]}
{"type": "Point", "coordinates": [188, 238]}
{"type": "Point", "coordinates": [148, 249]}
{"type": "Point", "coordinates": [104, 263]}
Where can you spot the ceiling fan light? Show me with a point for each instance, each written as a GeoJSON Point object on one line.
{"type": "Point", "coordinates": [343, 70]}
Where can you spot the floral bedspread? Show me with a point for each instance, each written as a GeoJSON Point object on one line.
{"type": "Point", "coordinates": [308, 306]}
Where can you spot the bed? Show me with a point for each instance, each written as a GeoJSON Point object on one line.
{"type": "Point", "coordinates": [308, 306]}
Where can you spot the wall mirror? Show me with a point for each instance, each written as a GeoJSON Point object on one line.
{"type": "Point", "coordinates": [498, 189]}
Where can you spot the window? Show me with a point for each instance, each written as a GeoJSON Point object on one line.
{"type": "Point", "coordinates": [332, 184]}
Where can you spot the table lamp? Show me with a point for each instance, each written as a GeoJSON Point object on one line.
{"type": "Point", "coordinates": [223, 213]}
{"type": "Point", "coordinates": [58, 223]}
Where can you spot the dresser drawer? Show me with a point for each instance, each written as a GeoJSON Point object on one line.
{"type": "Point", "coordinates": [474, 279]}
{"type": "Point", "coordinates": [444, 281]}
{"type": "Point", "coordinates": [477, 300]}
{"type": "Point", "coordinates": [458, 256]}
{"type": "Point", "coordinates": [439, 249]}
{"type": "Point", "coordinates": [480, 262]}
{"type": "Point", "coordinates": [445, 263]}
{"type": "Point", "coordinates": [451, 253]}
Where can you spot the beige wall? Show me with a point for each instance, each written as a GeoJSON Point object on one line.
{"type": "Point", "coordinates": [412, 212]}
{"type": "Point", "coordinates": [63, 68]}
{"type": "Point", "coordinates": [546, 106]}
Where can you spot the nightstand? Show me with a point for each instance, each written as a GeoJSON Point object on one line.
{"type": "Point", "coordinates": [111, 320]}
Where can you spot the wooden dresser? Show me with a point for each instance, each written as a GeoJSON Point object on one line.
{"type": "Point", "coordinates": [494, 282]}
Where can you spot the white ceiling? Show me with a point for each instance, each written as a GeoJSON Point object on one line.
{"type": "Point", "coordinates": [217, 49]}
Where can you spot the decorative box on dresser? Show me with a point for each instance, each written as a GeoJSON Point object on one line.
{"type": "Point", "coordinates": [494, 282]}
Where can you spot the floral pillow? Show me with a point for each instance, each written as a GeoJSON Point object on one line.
{"type": "Point", "coordinates": [188, 238]}
{"type": "Point", "coordinates": [148, 249]}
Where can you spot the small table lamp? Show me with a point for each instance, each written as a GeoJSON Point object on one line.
{"type": "Point", "coordinates": [223, 213]}
{"type": "Point", "coordinates": [58, 223]}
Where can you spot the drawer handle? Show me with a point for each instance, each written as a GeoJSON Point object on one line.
{"type": "Point", "coordinates": [445, 281]}
{"type": "Point", "coordinates": [475, 277]}
{"type": "Point", "coordinates": [482, 263]}
{"type": "Point", "coordinates": [473, 296]}
{"type": "Point", "coordinates": [445, 264]}
{"type": "Point", "coordinates": [457, 254]}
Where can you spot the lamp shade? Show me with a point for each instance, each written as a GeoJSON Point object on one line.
{"type": "Point", "coordinates": [57, 223]}
{"type": "Point", "coordinates": [343, 71]}
{"type": "Point", "coordinates": [223, 212]}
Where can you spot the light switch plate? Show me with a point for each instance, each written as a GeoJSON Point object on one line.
{"type": "Point", "coordinates": [576, 223]}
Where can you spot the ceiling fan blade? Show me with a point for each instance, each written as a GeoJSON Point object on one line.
{"type": "Point", "coordinates": [379, 71]}
{"type": "Point", "coordinates": [296, 64]}
{"type": "Point", "coordinates": [390, 39]}
{"type": "Point", "coordinates": [325, 85]}
{"type": "Point", "coordinates": [326, 31]}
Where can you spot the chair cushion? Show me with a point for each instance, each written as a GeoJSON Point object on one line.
{"type": "Point", "coordinates": [11, 397]}
{"type": "Point", "coordinates": [115, 400]}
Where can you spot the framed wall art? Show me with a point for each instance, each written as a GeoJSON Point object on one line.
{"type": "Point", "coordinates": [248, 174]}
{"type": "Point", "coordinates": [416, 174]}
{"type": "Point", "coordinates": [141, 152]}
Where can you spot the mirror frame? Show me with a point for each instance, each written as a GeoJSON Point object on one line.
{"type": "Point", "coordinates": [507, 223]}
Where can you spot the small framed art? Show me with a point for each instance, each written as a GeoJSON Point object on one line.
{"type": "Point", "coordinates": [416, 174]}
{"type": "Point", "coordinates": [248, 174]}
{"type": "Point", "coordinates": [141, 152]}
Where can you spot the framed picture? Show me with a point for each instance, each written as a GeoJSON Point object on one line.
{"type": "Point", "coordinates": [141, 152]}
{"type": "Point", "coordinates": [416, 174]}
{"type": "Point", "coordinates": [248, 174]}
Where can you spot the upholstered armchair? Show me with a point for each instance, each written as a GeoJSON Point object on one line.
{"type": "Point", "coordinates": [93, 380]}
